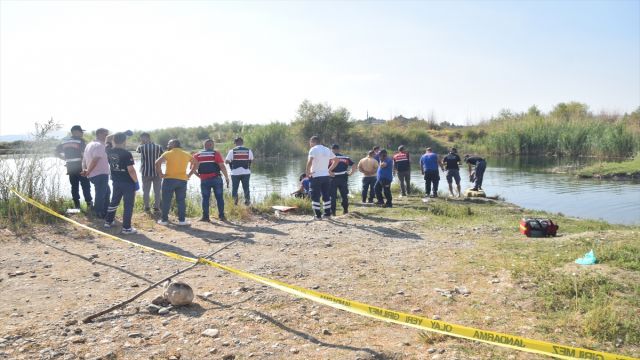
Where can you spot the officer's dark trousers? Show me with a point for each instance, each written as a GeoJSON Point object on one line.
{"type": "Point", "coordinates": [76, 181]}
{"type": "Point", "coordinates": [321, 187]}
{"type": "Point", "coordinates": [481, 166]}
{"type": "Point", "coordinates": [431, 177]}
{"type": "Point", "coordinates": [339, 182]}
{"type": "Point", "coordinates": [383, 185]}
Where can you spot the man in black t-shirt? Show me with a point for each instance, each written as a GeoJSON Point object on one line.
{"type": "Point", "coordinates": [125, 183]}
{"type": "Point", "coordinates": [451, 164]}
{"type": "Point", "coordinates": [480, 165]}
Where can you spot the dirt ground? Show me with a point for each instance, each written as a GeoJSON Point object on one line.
{"type": "Point", "coordinates": [52, 278]}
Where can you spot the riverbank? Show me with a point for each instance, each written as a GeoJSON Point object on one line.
{"type": "Point", "coordinates": [410, 258]}
{"type": "Point", "coordinates": [627, 170]}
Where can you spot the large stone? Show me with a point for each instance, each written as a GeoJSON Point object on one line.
{"type": "Point", "coordinates": [178, 293]}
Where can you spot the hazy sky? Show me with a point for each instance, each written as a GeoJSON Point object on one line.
{"type": "Point", "coordinates": [153, 64]}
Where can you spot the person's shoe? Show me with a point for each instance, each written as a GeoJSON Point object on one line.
{"type": "Point", "coordinates": [76, 204]}
{"type": "Point", "coordinates": [89, 204]}
{"type": "Point", "coordinates": [162, 222]}
{"type": "Point", "coordinates": [247, 202]}
{"type": "Point", "coordinates": [204, 219]}
{"type": "Point", "coordinates": [474, 189]}
{"type": "Point", "coordinates": [346, 211]}
{"type": "Point", "coordinates": [107, 225]}
{"type": "Point", "coordinates": [129, 231]}
{"type": "Point", "coordinates": [387, 205]}
{"type": "Point", "coordinates": [184, 223]}
{"type": "Point", "coordinates": [235, 201]}
{"type": "Point", "coordinates": [156, 210]}
{"type": "Point", "coordinates": [370, 201]}
{"type": "Point", "coordinates": [222, 218]}
{"type": "Point", "coordinates": [317, 218]}
{"type": "Point", "coordinates": [147, 209]}
{"type": "Point", "coordinates": [435, 195]}
{"type": "Point", "coordinates": [379, 204]}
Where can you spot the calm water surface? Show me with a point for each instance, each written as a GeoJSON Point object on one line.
{"type": "Point", "coordinates": [522, 181]}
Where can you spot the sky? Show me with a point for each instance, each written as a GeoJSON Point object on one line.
{"type": "Point", "coordinates": [145, 65]}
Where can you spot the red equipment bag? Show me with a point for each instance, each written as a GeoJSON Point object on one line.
{"type": "Point", "coordinates": [532, 227]}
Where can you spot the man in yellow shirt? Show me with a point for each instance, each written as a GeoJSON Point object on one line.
{"type": "Point", "coordinates": [174, 179]}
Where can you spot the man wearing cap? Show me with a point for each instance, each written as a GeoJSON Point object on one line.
{"type": "Point", "coordinates": [149, 153]}
{"type": "Point", "coordinates": [340, 181]}
{"type": "Point", "coordinates": [430, 166]}
{"type": "Point", "coordinates": [125, 182]}
{"type": "Point", "coordinates": [318, 170]}
{"type": "Point", "coordinates": [71, 151]}
{"type": "Point", "coordinates": [174, 180]}
{"type": "Point", "coordinates": [239, 159]}
{"type": "Point", "coordinates": [402, 167]}
{"type": "Point", "coordinates": [451, 163]}
{"type": "Point", "coordinates": [96, 168]}
{"type": "Point", "coordinates": [210, 166]}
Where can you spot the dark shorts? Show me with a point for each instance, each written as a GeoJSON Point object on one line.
{"type": "Point", "coordinates": [453, 174]}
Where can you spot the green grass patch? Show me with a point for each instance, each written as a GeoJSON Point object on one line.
{"type": "Point", "coordinates": [629, 168]}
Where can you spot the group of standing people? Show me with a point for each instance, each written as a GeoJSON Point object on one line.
{"type": "Point", "coordinates": [327, 174]}
{"type": "Point", "coordinates": [106, 157]}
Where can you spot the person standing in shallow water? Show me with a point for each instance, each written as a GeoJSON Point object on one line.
{"type": "Point", "coordinates": [384, 179]}
{"type": "Point", "coordinates": [318, 171]}
{"type": "Point", "coordinates": [451, 164]}
{"type": "Point", "coordinates": [479, 166]}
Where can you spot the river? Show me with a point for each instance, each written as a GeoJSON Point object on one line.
{"type": "Point", "coordinates": [526, 182]}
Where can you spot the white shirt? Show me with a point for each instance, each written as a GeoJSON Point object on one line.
{"type": "Point", "coordinates": [240, 170]}
{"type": "Point", "coordinates": [320, 164]}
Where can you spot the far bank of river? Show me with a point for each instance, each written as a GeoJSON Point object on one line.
{"type": "Point", "coordinates": [525, 182]}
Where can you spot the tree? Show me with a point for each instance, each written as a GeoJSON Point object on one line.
{"type": "Point", "coordinates": [319, 119]}
{"type": "Point", "coordinates": [534, 111]}
{"type": "Point", "coordinates": [570, 111]}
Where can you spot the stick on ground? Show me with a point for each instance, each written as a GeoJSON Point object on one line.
{"type": "Point", "coordinates": [119, 305]}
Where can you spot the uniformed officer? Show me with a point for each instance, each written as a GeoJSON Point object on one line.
{"type": "Point", "coordinates": [71, 151]}
{"type": "Point", "coordinates": [340, 177]}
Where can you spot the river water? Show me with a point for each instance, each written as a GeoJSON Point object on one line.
{"type": "Point", "coordinates": [526, 182]}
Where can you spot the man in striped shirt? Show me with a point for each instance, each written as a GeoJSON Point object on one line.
{"type": "Point", "coordinates": [149, 153]}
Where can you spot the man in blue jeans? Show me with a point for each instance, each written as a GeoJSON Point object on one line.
{"type": "Point", "coordinates": [480, 165]}
{"type": "Point", "coordinates": [125, 183]}
{"type": "Point", "coordinates": [210, 166]}
{"type": "Point", "coordinates": [96, 168]}
{"type": "Point", "coordinates": [385, 177]}
{"type": "Point", "coordinates": [175, 180]}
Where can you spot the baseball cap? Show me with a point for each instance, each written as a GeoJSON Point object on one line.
{"type": "Point", "coordinates": [77, 127]}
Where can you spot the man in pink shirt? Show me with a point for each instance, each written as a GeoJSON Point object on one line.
{"type": "Point", "coordinates": [96, 168]}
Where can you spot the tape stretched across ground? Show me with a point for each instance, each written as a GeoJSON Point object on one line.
{"type": "Point", "coordinates": [419, 322]}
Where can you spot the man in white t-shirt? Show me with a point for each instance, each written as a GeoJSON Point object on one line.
{"type": "Point", "coordinates": [239, 159]}
{"type": "Point", "coordinates": [320, 173]}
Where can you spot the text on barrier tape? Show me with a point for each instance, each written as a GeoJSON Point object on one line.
{"type": "Point", "coordinates": [419, 322]}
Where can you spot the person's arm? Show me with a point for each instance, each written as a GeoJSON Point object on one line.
{"type": "Point", "coordinates": [223, 169]}
{"type": "Point", "coordinates": [360, 167]}
{"type": "Point", "coordinates": [229, 157]}
{"type": "Point", "coordinates": [353, 169]}
{"type": "Point", "coordinates": [250, 158]}
{"type": "Point", "coordinates": [158, 165]}
{"type": "Point", "coordinates": [132, 172]}
{"type": "Point", "coordinates": [92, 165]}
{"type": "Point", "coordinates": [441, 162]}
{"type": "Point", "coordinates": [58, 152]}
{"type": "Point", "coordinates": [333, 164]}
{"type": "Point", "coordinates": [421, 166]}
{"type": "Point", "coordinates": [194, 164]}
{"type": "Point", "coordinates": [308, 168]}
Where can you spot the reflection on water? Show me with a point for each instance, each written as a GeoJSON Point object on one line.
{"type": "Point", "coordinates": [522, 181]}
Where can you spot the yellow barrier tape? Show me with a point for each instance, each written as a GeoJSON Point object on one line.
{"type": "Point", "coordinates": [419, 322]}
